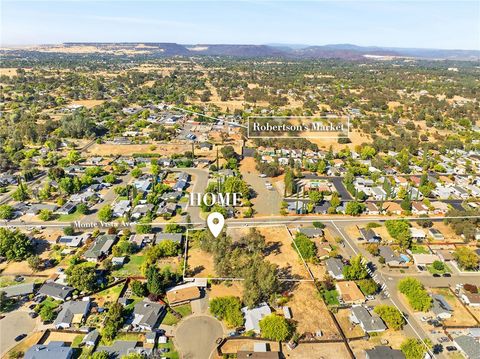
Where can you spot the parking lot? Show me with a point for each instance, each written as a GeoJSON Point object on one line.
{"type": "Point", "coordinates": [15, 323]}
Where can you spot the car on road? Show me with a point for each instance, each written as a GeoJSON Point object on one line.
{"type": "Point", "coordinates": [33, 315]}
{"type": "Point", "coordinates": [20, 337]}
{"type": "Point", "coordinates": [436, 275]}
{"type": "Point", "coordinates": [448, 275]}
{"type": "Point", "coordinates": [262, 175]}
{"type": "Point", "coordinates": [19, 278]}
{"type": "Point", "coordinates": [451, 348]}
{"type": "Point", "coordinates": [370, 297]}
{"type": "Point", "coordinates": [421, 268]}
{"type": "Point", "coordinates": [443, 339]}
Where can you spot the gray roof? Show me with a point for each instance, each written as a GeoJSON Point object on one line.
{"type": "Point", "coordinates": [148, 313]}
{"type": "Point", "coordinates": [56, 290]}
{"type": "Point", "coordinates": [368, 322]}
{"type": "Point", "coordinates": [174, 237]}
{"type": "Point", "coordinates": [389, 255]}
{"type": "Point", "coordinates": [440, 305]}
{"type": "Point", "coordinates": [101, 246]}
{"type": "Point", "coordinates": [311, 232]}
{"type": "Point", "coordinates": [384, 352]}
{"type": "Point", "coordinates": [57, 350]}
{"type": "Point", "coordinates": [335, 266]}
{"type": "Point", "coordinates": [91, 337]}
{"type": "Point", "coordinates": [70, 309]}
{"type": "Point", "coordinates": [254, 315]}
{"type": "Point", "coordinates": [18, 289]}
{"type": "Point", "coordinates": [123, 347]}
{"type": "Point", "coordinates": [469, 346]}
{"type": "Point", "coordinates": [369, 234]}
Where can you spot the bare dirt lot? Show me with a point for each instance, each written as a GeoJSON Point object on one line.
{"type": "Point", "coordinates": [224, 289]}
{"type": "Point", "coordinates": [232, 346]}
{"type": "Point", "coordinates": [317, 350]}
{"type": "Point", "coordinates": [310, 312]}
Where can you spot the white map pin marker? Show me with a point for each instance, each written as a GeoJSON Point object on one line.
{"type": "Point", "coordinates": [215, 222]}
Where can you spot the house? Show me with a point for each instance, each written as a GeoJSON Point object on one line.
{"type": "Point", "coordinates": [73, 241]}
{"type": "Point", "coordinates": [372, 208]}
{"type": "Point", "coordinates": [166, 208]}
{"type": "Point", "coordinates": [436, 234]}
{"type": "Point", "coordinates": [311, 232]}
{"type": "Point", "coordinates": [391, 259]}
{"type": "Point", "coordinates": [205, 146]}
{"type": "Point", "coordinates": [368, 322]}
{"type": "Point", "coordinates": [100, 248]}
{"type": "Point", "coordinates": [349, 292]}
{"type": "Point", "coordinates": [18, 290]}
{"type": "Point", "coordinates": [254, 316]}
{"type": "Point", "coordinates": [151, 337]}
{"type": "Point", "coordinates": [335, 268]}
{"type": "Point", "coordinates": [122, 348]}
{"type": "Point", "coordinates": [118, 261]}
{"type": "Point", "coordinates": [140, 240]}
{"type": "Point", "coordinates": [53, 350]}
{"type": "Point", "coordinates": [73, 312]}
{"type": "Point", "coordinates": [56, 291]}
{"type": "Point", "coordinates": [419, 208]}
{"type": "Point", "coordinates": [424, 259]}
{"type": "Point", "coordinates": [141, 210]}
{"type": "Point", "coordinates": [469, 346]}
{"type": "Point", "coordinates": [36, 208]}
{"type": "Point", "coordinates": [392, 207]}
{"type": "Point", "coordinates": [369, 235]}
{"type": "Point", "coordinates": [384, 352]}
{"type": "Point", "coordinates": [378, 193]}
{"type": "Point", "coordinates": [143, 184]}
{"type": "Point", "coordinates": [440, 307]}
{"type": "Point", "coordinates": [417, 234]}
{"type": "Point", "coordinates": [147, 314]}
{"type": "Point", "coordinates": [121, 207]}
{"type": "Point", "coordinates": [67, 208]}
{"type": "Point", "coordinates": [174, 237]}
{"type": "Point", "coordinates": [182, 294]}
{"type": "Point", "coordinates": [91, 339]}
{"type": "Point", "coordinates": [471, 299]}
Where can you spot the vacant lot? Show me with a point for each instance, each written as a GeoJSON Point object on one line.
{"type": "Point", "coordinates": [108, 295]}
{"type": "Point", "coordinates": [233, 346]}
{"type": "Point", "coordinates": [223, 289]}
{"type": "Point", "coordinates": [317, 350]}
{"type": "Point", "coordinates": [110, 149]}
{"type": "Point", "coordinates": [461, 316]}
{"type": "Point", "coordinates": [350, 330]}
{"type": "Point", "coordinates": [200, 263]}
{"type": "Point", "coordinates": [310, 312]}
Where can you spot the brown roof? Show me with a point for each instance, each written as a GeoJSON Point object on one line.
{"type": "Point", "coordinates": [472, 297]}
{"type": "Point", "coordinates": [350, 292]}
{"type": "Point", "coordinates": [182, 295]}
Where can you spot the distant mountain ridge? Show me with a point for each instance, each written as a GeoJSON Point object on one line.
{"type": "Point", "coordinates": [294, 51]}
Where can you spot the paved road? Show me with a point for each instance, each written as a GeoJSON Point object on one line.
{"type": "Point", "coordinates": [195, 336]}
{"type": "Point", "coordinates": [15, 323]}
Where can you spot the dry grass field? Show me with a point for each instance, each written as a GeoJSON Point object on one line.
{"type": "Point", "coordinates": [350, 330]}
{"type": "Point", "coordinates": [317, 350]}
{"type": "Point", "coordinates": [110, 149]}
{"type": "Point", "coordinates": [233, 288]}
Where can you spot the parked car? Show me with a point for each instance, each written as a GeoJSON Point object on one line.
{"type": "Point", "coordinates": [447, 275]}
{"type": "Point", "coordinates": [436, 275]}
{"type": "Point", "coordinates": [33, 315]}
{"type": "Point", "coordinates": [20, 337]}
{"type": "Point", "coordinates": [370, 297]}
{"type": "Point", "coordinates": [451, 348]}
{"type": "Point", "coordinates": [19, 278]}
{"type": "Point", "coordinates": [262, 175]}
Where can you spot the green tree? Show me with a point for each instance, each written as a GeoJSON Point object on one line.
{"type": "Point", "coordinates": [466, 258]}
{"type": "Point", "coordinates": [82, 208]}
{"type": "Point", "coordinates": [14, 245]}
{"type": "Point", "coordinates": [354, 208]}
{"type": "Point", "coordinates": [138, 288]}
{"type": "Point", "coordinates": [45, 215]}
{"type": "Point", "coordinates": [368, 286]}
{"type": "Point", "coordinates": [413, 348]}
{"type": "Point", "coordinates": [417, 296]}
{"type": "Point", "coordinates": [47, 313]}
{"type": "Point", "coordinates": [228, 309]}
{"type": "Point", "coordinates": [105, 213]}
{"type": "Point", "coordinates": [356, 269]}
{"type": "Point", "coordinates": [6, 211]}
{"type": "Point", "coordinates": [275, 327]}
{"type": "Point", "coordinates": [391, 316]}
{"type": "Point", "coordinates": [101, 355]}
{"type": "Point", "coordinates": [305, 246]}
{"type": "Point", "coordinates": [82, 276]}
{"type": "Point", "coordinates": [34, 262]}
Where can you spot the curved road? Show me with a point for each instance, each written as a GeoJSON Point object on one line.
{"type": "Point", "coordinates": [196, 335]}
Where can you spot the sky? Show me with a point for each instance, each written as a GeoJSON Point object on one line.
{"type": "Point", "coordinates": [421, 24]}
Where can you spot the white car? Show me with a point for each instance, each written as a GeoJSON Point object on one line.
{"type": "Point", "coordinates": [262, 175]}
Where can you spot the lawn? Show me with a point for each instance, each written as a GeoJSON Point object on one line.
{"type": "Point", "coordinates": [70, 217]}
{"type": "Point", "coordinates": [132, 268]}
{"type": "Point", "coordinates": [416, 249]}
{"type": "Point", "coordinates": [331, 297]}
{"type": "Point", "coordinates": [183, 310]}
{"type": "Point", "coordinates": [445, 269]}
{"type": "Point", "coordinates": [110, 294]}
{"type": "Point", "coordinates": [172, 353]}
{"type": "Point", "coordinates": [77, 341]}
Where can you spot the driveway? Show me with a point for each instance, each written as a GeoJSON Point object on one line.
{"type": "Point", "coordinates": [195, 336]}
{"type": "Point", "coordinates": [15, 323]}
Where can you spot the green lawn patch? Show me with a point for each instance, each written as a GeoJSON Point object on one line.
{"type": "Point", "coordinates": [111, 294]}
{"type": "Point", "coordinates": [132, 268]}
{"type": "Point", "coordinates": [331, 297]}
{"type": "Point", "coordinates": [172, 354]}
{"type": "Point", "coordinates": [70, 217]}
{"type": "Point", "coordinates": [416, 249]}
{"type": "Point", "coordinates": [433, 270]}
{"type": "Point", "coordinates": [77, 341]}
{"type": "Point", "coordinates": [184, 310]}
